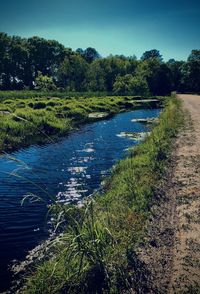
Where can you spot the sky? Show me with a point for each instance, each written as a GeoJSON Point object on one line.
{"type": "Point", "coordinates": [128, 27]}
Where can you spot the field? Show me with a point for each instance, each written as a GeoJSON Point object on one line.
{"type": "Point", "coordinates": [37, 117]}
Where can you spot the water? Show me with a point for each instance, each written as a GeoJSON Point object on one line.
{"type": "Point", "coordinates": [69, 169]}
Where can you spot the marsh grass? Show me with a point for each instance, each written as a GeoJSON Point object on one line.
{"type": "Point", "coordinates": [48, 94]}
{"type": "Point", "coordinates": [96, 253]}
{"type": "Point", "coordinates": [37, 117]}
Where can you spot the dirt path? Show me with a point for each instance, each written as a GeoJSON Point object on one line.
{"type": "Point", "coordinates": [173, 254]}
{"type": "Point", "coordinates": [185, 272]}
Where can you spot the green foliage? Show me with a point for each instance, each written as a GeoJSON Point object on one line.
{"type": "Point", "coordinates": [96, 77]}
{"type": "Point", "coordinates": [129, 84]}
{"type": "Point", "coordinates": [84, 70]}
{"type": "Point", "coordinates": [194, 56]}
{"type": "Point", "coordinates": [176, 75]}
{"type": "Point", "coordinates": [44, 83]}
{"type": "Point", "coordinates": [97, 252]}
{"type": "Point", "coordinates": [12, 95]}
{"type": "Point", "coordinates": [151, 54]}
{"type": "Point", "coordinates": [24, 58]}
{"type": "Point", "coordinates": [157, 74]}
{"type": "Point", "coordinates": [71, 74]}
{"type": "Point", "coordinates": [191, 72]}
{"type": "Point", "coordinates": [89, 54]}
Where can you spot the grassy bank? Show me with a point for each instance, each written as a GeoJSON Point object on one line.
{"type": "Point", "coordinates": [24, 121]}
{"type": "Point", "coordinates": [97, 252]}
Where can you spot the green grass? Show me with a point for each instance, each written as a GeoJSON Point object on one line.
{"type": "Point", "coordinates": [42, 94]}
{"type": "Point", "coordinates": [37, 119]}
{"type": "Point", "coordinates": [97, 252]}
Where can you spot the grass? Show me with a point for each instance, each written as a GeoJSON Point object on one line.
{"type": "Point", "coordinates": [42, 94]}
{"type": "Point", "coordinates": [97, 253]}
{"type": "Point", "coordinates": [43, 116]}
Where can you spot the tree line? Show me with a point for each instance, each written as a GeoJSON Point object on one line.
{"type": "Point", "coordinates": [37, 63]}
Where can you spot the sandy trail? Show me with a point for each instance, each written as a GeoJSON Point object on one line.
{"type": "Point", "coordinates": [173, 254]}
{"type": "Point", "coordinates": [185, 272]}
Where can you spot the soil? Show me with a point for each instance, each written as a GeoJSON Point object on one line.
{"type": "Point", "coordinates": [172, 256]}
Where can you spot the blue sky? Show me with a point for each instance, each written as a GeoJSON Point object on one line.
{"type": "Point", "coordinates": [111, 26]}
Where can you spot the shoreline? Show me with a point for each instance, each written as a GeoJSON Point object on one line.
{"type": "Point", "coordinates": [122, 104]}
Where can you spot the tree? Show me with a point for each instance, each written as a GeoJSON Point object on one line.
{"type": "Point", "coordinates": [105, 71]}
{"type": "Point", "coordinates": [95, 77]}
{"type": "Point", "coordinates": [151, 54]}
{"type": "Point", "coordinates": [90, 54]}
{"type": "Point", "coordinates": [5, 82]}
{"type": "Point", "coordinates": [21, 72]}
{"type": "Point", "coordinates": [112, 67]}
{"type": "Point", "coordinates": [133, 85]}
{"type": "Point", "coordinates": [190, 72]}
{"type": "Point", "coordinates": [157, 74]}
{"type": "Point", "coordinates": [45, 55]}
{"type": "Point", "coordinates": [194, 56]}
{"type": "Point", "coordinates": [72, 73]}
{"type": "Point", "coordinates": [21, 59]}
{"type": "Point", "coordinates": [44, 83]}
{"type": "Point", "coordinates": [176, 74]}
{"type": "Point", "coordinates": [80, 51]}
{"type": "Point", "coordinates": [14, 65]}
